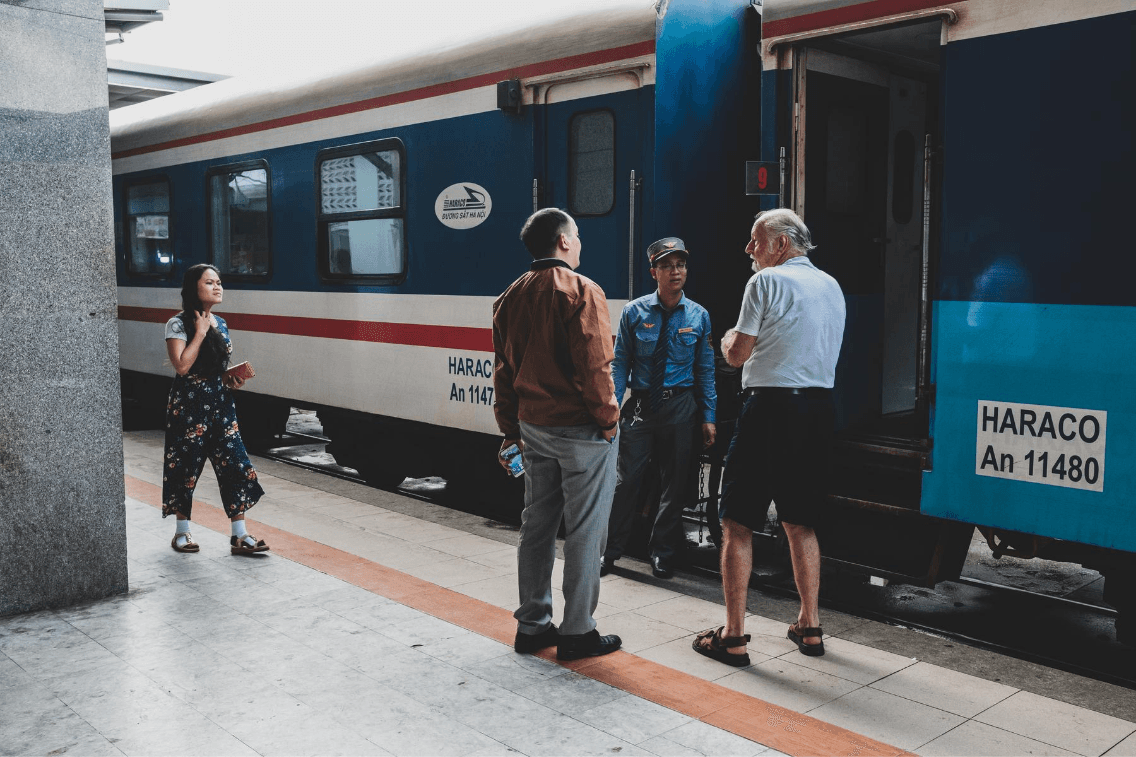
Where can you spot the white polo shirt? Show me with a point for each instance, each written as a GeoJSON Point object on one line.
{"type": "Point", "coordinates": [796, 311]}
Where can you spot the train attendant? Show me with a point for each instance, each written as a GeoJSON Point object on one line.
{"type": "Point", "coordinates": [663, 353]}
{"type": "Point", "coordinates": [201, 418]}
{"type": "Point", "coordinates": [556, 401]}
{"type": "Point", "coordinates": [787, 341]}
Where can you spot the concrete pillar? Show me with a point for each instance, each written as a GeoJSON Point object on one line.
{"type": "Point", "coordinates": [62, 518]}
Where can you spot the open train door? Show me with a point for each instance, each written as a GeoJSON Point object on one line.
{"type": "Point", "coordinates": [860, 139]}
{"type": "Point", "coordinates": [858, 109]}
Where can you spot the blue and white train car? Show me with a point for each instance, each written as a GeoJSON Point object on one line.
{"type": "Point", "coordinates": [966, 169]}
{"type": "Point", "coordinates": [365, 217]}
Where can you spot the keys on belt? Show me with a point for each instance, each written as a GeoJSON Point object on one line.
{"type": "Point", "coordinates": [641, 399]}
{"type": "Point", "coordinates": [635, 412]}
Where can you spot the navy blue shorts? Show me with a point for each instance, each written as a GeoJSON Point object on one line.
{"type": "Point", "coordinates": [779, 453]}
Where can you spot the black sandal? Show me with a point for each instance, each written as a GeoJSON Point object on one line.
{"type": "Point", "coordinates": [238, 545]}
{"type": "Point", "coordinates": [798, 636]}
{"type": "Point", "coordinates": [710, 644]}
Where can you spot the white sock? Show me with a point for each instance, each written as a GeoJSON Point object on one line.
{"type": "Point", "coordinates": [182, 532]}
{"type": "Point", "coordinates": [241, 534]}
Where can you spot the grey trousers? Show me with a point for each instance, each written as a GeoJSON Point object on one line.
{"type": "Point", "coordinates": [569, 473]}
{"type": "Point", "coordinates": [668, 437]}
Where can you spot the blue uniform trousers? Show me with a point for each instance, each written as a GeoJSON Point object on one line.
{"type": "Point", "coordinates": [667, 436]}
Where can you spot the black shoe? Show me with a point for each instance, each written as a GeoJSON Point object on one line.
{"type": "Point", "coordinates": [527, 643]}
{"type": "Point", "coordinates": [606, 565]}
{"type": "Point", "coordinates": [661, 568]}
{"type": "Point", "coordinates": [589, 644]}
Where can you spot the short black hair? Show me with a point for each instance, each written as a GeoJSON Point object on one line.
{"type": "Point", "coordinates": [543, 229]}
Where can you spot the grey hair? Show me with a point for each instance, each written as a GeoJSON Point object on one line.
{"type": "Point", "coordinates": [784, 221]}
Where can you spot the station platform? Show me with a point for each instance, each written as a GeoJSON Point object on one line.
{"type": "Point", "coordinates": [380, 624]}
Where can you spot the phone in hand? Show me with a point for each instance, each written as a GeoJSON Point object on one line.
{"type": "Point", "coordinates": [512, 457]}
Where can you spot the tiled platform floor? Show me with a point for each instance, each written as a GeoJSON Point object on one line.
{"type": "Point", "coordinates": [211, 654]}
{"type": "Point", "coordinates": [217, 655]}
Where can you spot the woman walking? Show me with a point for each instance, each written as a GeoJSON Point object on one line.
{"type": "Point", "coordinates": [201, 418]}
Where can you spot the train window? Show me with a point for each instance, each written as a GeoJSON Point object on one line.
{"type": "Point", "coordinates": [239, 207]}
{"type": "Point", "coordinates": [591, 163]}
{"type": "Point", "coordinates": [149, 250]}
{"type": "Point", "coordinates": [362, 212]}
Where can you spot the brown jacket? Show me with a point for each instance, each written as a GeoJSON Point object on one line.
{"type": "Point", "coordinates": [552, 339]}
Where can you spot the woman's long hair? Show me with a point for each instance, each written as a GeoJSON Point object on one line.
{"type": "Point", "coordinates": [213, 355]}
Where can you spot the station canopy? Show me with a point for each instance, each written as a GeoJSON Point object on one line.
{"type": "Point", "coordinates": [129, 82]}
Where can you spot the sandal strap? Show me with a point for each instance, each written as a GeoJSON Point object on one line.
{"type": "Point", "coordinates": [733, 641]}
{"type": "Point", "coordinates": [717, 640]}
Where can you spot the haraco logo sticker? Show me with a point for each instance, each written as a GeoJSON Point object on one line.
{"type": "Point", "coordinates": [1043, 444]}
{"type": "Point", "coordinates": [463, 206]}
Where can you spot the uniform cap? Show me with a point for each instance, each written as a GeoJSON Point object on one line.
{"type": "Point", "coordinates": [665, 246]}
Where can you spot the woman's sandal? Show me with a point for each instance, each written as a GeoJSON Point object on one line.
{"type": "Point", "coordinates": [190, 544]}
{"type": "Point", "coordinates": [710, 644]}
{"type": "Point", "coordinates": [798, 636]}
{"type": "Point", "coordinates": [238, 545]}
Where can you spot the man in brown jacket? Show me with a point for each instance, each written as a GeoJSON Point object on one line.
{"type": "Point", "coordinates": [555, 399]}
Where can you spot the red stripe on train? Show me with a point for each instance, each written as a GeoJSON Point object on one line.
{"type": "Point", "coordinates": [414, 334]}
{"type": "Point", "coordinates": [445, 88]}
{"type": "Point", "coordinates": [848, 14]}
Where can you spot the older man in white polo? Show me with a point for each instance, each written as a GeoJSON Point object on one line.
{"type": "Point", "coordinates": [787, 341]}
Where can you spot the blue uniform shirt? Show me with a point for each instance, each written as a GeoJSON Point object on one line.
{"type": "Point", "coordinates": [690, 360]}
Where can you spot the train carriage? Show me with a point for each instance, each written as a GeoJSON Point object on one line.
{"type": "Point", "coordinates": [966, 181]}
{"type": "Point", "coordinates": [365, 217]}
{"type": "Point", "coordinates": [964, 166]}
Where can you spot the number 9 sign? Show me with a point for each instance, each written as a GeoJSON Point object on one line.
{"type": "Point", "coordinates": [762, 178]}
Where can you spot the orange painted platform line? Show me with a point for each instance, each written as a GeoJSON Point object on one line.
{"type": "Point", "coordinates": [757, 720]}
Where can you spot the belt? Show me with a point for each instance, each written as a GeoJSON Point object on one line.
{"type": "Point", "coordinates": [668, 393]}
{"type": "Point", "coordinates": [774, 390]}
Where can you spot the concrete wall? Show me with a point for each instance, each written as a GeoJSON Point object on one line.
{"type": "Point", "coordinates": [62, 520]}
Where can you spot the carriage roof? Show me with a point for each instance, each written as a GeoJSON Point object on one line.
{"type": "Point", "coordinates": [245, 100]}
